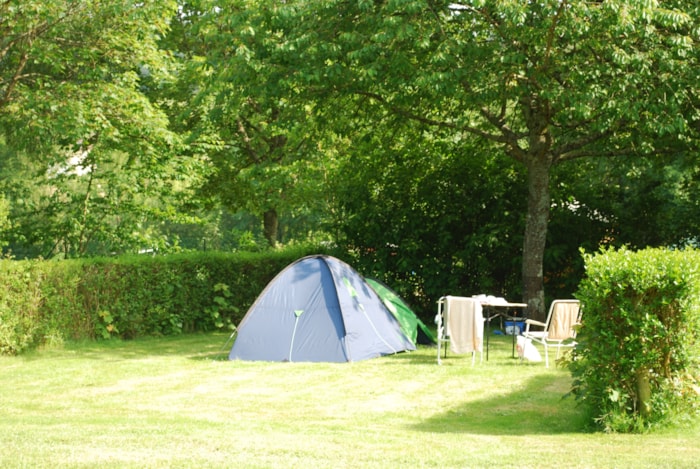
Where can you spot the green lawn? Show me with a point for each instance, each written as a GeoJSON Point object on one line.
{"type": "Point", "coordinates": [176, 402]}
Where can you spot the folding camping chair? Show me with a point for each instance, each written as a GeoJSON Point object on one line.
{"type": "Point", "coordinates": [460, 322]}
{"type": "Point", "coordinates": [559, 330]}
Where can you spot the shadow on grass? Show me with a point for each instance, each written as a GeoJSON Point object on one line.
{"type": "Point", "coordinates": [534, 405]}
{"type": "Point", "coordinates": [500, 352]}
{"type": "Point", "coordinates": [537, 408]}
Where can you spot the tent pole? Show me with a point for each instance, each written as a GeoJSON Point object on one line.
{"type": "Point", "coordinates": [223, 347]}
{"type": "Point", "coordinates": [297, 313]}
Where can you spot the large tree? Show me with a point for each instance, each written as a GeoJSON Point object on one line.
{"type": "Point", "coordinates": [548, 81]}
{"type": "Point", "coordinates": [73, 76]}
{"type": "Point", "coordinates": [242, 118]}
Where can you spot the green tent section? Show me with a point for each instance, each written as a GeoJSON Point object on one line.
{"type": "Point", "coordinates": [411, 326]}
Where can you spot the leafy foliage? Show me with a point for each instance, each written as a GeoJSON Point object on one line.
{"type": "Point", "coordinates": [51, 301]}
{"type": "Point", "coordinates": [402, 214]}
{"type": "Point", "coordinates": [70, 74]}
{"type": "Point", "coordinates": [659, 190]}
{"type": "Point", "coordinates": [636, 364]}
{"type": "Point", "coordinates": [243, 119]}
{"type": "Point", "coordinates": [103, 208]}
{"type": "Point", "coordinates": [86, 150]}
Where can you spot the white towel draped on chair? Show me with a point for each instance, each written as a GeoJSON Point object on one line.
{"type": "Point", "coordinates": [465, 325]}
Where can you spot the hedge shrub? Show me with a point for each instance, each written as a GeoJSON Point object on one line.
{"type": "Point", "coordinates": [20, 306]}
{"type": "Point", "coordinates": [43, 302]}
{"type": "Point", "coordinates": [637, 362]}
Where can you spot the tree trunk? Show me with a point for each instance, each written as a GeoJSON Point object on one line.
{"type": "Point", "coordinates": [644, 392]}
{"type": "Point", "coordinates": [536, 221]}
{"type": "Point", "coordinates": [270, 226]}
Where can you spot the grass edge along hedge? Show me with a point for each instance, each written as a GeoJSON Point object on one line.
{"type": "Point", "coordinates": [47, 302]}
{"type": "Point", "coordinates": [636, 365]}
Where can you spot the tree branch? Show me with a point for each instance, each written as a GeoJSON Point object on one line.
{"type": "Point", "coordinates": [551, 33]}
{"type": "Point", "coordinates": [577, 148]}
{"type": "Point", "coordinates": [247, 140]}
{"type": "Point", "coordinates": [508, 139]}
{"type": "Point", "coordinates": [28, 37]}
{"type": "Point", "coordinates": [14, 80]}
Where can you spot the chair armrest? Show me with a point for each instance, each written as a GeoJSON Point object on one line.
{"type": "Point", "coordinates": [534, 323]}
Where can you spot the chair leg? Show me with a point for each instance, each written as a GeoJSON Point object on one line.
{"type": "Point", "coordinates": [481, 357]}
{"type": "Point", "coordinates": [546, 356]}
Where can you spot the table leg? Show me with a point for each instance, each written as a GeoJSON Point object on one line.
{"type": "Point", "coordinates": [488, 334]}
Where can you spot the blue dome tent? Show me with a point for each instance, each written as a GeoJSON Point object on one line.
{"type": "Point", "coordinates": [318, 309]}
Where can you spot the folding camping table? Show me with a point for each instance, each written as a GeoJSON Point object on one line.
{"type": "Point", "coordinates": [490, 304]}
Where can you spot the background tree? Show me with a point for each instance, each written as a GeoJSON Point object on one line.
{"type": "Point", "coordinates": [658, 190]}
{"type": "Point", "coordinates": [244, 119]}
{"type": "Point", "coordinates": [640, 203]}
{"type": "Point", "coordinates": [408, 130]}
{"type": "Point", "coordinates": [71, 96]}
{"type": "Point", "coordinates": [73, 210]}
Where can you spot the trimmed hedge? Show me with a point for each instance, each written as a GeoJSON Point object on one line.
{"type": "Point", "coordinates": [638, 358]}
{"type": "Point", "coordinates": [44, 302]}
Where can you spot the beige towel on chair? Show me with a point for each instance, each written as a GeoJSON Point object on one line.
{"type": "Point", "coordinates": [563, 320]}
{"type": "Point", "coordinates": [465, 324]}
